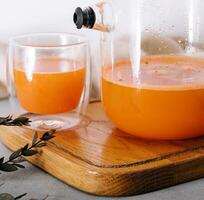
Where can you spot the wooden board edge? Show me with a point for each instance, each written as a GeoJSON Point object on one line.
{"type": "Point", "coordinates": [109, 182]}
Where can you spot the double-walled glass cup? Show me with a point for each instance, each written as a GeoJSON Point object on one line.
{"type": "Point", "coordinates": [51, 75]}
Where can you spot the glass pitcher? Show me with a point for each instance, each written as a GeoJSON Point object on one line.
{"type": "Point", "coordinates": [152, 65]}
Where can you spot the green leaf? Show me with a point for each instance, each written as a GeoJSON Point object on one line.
{"type": "Point", "coordinates": [29, 152]}
{"type": "Point", "coordinates": [4, 120]}
{"type": "Point", "coordinates": [8, 167]}
{"type": "Point", "coordinates": [21, 121]}
{"type": "Point", "coordinates": [35, 138]}
{"type": "Point", "coordinates": [25, 147]}
{"type": "Point", "coordinates": [15, 154]}
{"type": "Point", "coordinates": [19, 160]}
{"type": "Point", "coordinates": [42, 144]}
{"type": "Point", "coordinates": [48, 135]}
{"type": "Point", "coordinates": [1, 160]}
{"type": "Point", "coordinates": [20, 196]}
{"type": "Point", "coordinates": [19, 166]}
{"type": "Point", "coordinates": [6, 196]}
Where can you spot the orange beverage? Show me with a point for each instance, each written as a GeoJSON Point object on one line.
{"type": "Point", "coordinates": [50, 86]}
{"type": "Point", "coordinates": [166, 102]}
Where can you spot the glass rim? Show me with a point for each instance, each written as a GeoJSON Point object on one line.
{"type": "Point", "coordinates": [82, 40]}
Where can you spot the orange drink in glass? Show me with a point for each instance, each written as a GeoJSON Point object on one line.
{"type": "Point", "coordinates": [51, 76]}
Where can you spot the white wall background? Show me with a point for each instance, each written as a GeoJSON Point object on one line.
{"type": "Point", "coordinates": [29, 16]}
{"type": "Point", "coordinates": [26, 16]}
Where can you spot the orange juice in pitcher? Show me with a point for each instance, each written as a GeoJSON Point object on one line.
{"type": "Point", "coordinates": [166, 103]}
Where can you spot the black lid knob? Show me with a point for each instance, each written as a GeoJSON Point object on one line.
{"type": "Point", "coordinates": [86, 17]}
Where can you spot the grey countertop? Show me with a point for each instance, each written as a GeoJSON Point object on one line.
{"type": "Point", "coordinates": [40, 185]}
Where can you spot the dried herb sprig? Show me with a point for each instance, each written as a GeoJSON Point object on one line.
{"type": "Point", "coordinates": [9, 121]}
{"type": "Point", "coordinates": [6, 196]}
{"type": "Point", "coordinates": [17, 157]}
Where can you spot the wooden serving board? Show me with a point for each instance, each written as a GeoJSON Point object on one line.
{"type": "Point", "coordinates": [102, 160]}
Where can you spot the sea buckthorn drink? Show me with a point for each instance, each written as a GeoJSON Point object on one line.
{"type": "Point", "coordinates": [55, 86]}
{"type": "Point", "coordinates": [51, 73]}
{"type": "Point", "coordinates": [167, 103]}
